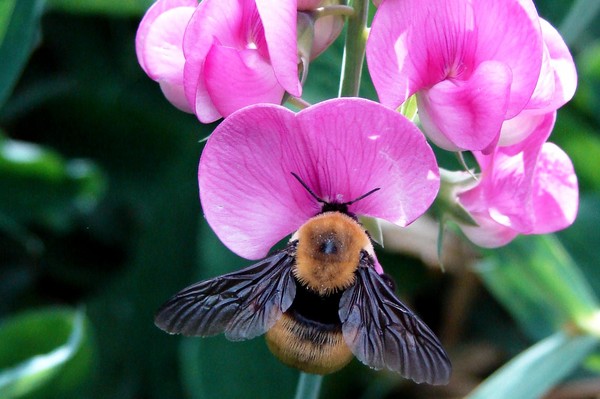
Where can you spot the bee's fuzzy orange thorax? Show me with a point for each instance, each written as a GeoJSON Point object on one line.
{"type": "Point", "coordinates": [328, 252]}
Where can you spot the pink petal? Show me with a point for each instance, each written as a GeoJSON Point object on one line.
{"type": "Point", "coordinates": [146, 23]}
{"type": "Point", "coordinates": [555, 191]}
{"type": "Point", "coordinates": [368, 146]}
{"type": "Point", "coordinates": [517, 129]}
{"type": "Point", "coordinates": [508, 184]}
{"type": "Point", "coordinates": [340, 148]}
{"type": "Point", "coordinates": [235, 79]}
{"type": "Point", "coordinates": [558, 79]}
{"type": "Point", "coordinates": [279, 22]}
{"type": "Point", "coordinates": [414, 45]}
{"type": "Point", "coordinates": [176, 96]}
{"type": "Point", "coordinates": [527, 188]}
{"type": "Point", "coordinates": [489, 233]}
{"type": "Point", "coordinates": [327, 29]}
{"type": "Point", "coordinates": [509, 31]}
{"type": "Point", "coordinates": [163, 54]}
{"type": "Point", "coordinates": [466, 115]}
{"type": "Point", "coordinates": [214, 21]}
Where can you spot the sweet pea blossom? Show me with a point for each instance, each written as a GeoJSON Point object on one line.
{"type": "Point", "coordinates": [341, 149]}
{"type": "Point", "coordinates": [471, 64]}
{"type": "Point", "coordinates": [527, 188]}
{"type": "Point", "coordinates": [222, 54]}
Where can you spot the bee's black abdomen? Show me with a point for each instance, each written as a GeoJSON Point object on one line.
{"type": "Point", "coordinates": [311, 308]}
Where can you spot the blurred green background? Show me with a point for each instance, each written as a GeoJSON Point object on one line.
{"type": "Point", "coordinates": [100, 223]}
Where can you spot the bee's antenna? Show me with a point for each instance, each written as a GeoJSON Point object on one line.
{"type": "Point", "coordinates": [311, 192]}
{"type": "Point", "coordinates": [362, 196]}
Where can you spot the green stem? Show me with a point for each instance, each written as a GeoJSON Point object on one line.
{"type": "Point", "coordinates": [309, 386]}
{"type": "Point", "coordinates": [298, 102]}
{"type": "Point", "coordinates": [354, 49]}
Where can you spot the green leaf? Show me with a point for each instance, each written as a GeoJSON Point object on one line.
{"type": "Point", "coordinates": [42, 349]}
{"type": "Point", "coordinates": [111, 7]}
{"type": "Point", "coordinates": [6, 10]}
{"type": "Point", "coordinates": [538, 282]}
{"type": "Point", "coordinates": [579, 18]}
{"type": "Point", "coordinates": [45, 188]}
{"type": "Point", "coordinates": [18, 28]}
{"type": "Point", "coordinates": [538, 369]}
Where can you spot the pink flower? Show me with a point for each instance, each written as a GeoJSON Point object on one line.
{"type": "Point", "coordinates": [221, 54]}
{"type": "Point", "coordinates": [340, 148]}
{"type": "Point", "coordinates": [158, 45]}
{"type": "Point", "coordinates": [527, 188]}
{"type": "Point", "coordinates": [472, 64]}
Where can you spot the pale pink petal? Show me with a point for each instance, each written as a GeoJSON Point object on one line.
{"type": "Point", "coordinates": [555, 193]}
{"type": "Point", "coordinates": [279, 22]}
{"type": "Point", "coordinates": [521, 126]}
{"type": "Point", "coordinates": [558, 79]}
{"type": "Point", "coordinates": [147, 21]}
{"type": "Point", "coordinates": [248, 193]}
{"type": "Point", "coordinates": [327, 29]}
{"type": "Point", "coordinates": [489, 234]}
{"type": "Point", "coordinates": [163, 51]}
{"type": "Point", "coordinates": [235, 79]}
{"type": "Point", "coordinates": [163, 54]}
{"type": "Point", "coordinates": [466, 115]}
{"type": "Point", "coordinates": [508, 183]}
{"type": "Point", "coordinates": [176, 96]}
{"type": "Point", "coordinates": [214, 21]}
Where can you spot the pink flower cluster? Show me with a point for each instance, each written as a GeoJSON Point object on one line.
{"type": "Point", "coordinates": [487, 75]}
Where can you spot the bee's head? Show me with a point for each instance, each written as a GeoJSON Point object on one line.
{"type": "Point", "coordinates": [329, 246]}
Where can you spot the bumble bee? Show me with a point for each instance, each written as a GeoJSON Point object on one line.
{"type": "Point", "coordinates": [320, 303]}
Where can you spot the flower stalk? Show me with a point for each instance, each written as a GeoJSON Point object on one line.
{"type": "Point", "coordinates": [354, 49]}
{"type": "Point", "coordinates": [309, 386]}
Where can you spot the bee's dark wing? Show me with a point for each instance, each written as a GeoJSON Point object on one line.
{"type": "Point", "coordinates": [383, 333]}
{"type": "Point", "coordinates": [242, 304]}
